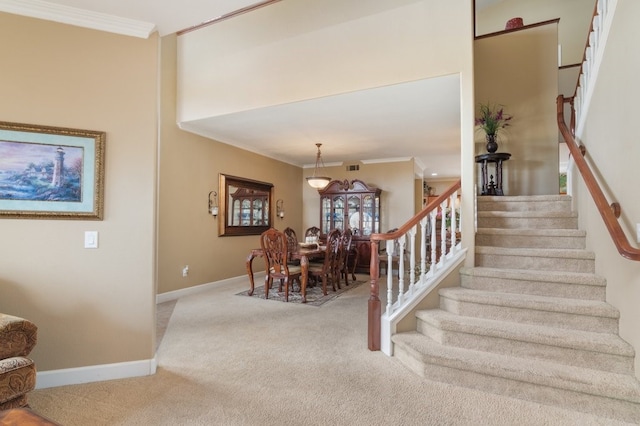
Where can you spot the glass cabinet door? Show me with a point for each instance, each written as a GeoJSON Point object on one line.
{"type": "Point", "coordinates": [325, 225]}
{"type": "Point", "coordinates": [355, 224]}
{"type": "Point", "coordinates": [245, 212]}
{"type": "Point", "coordinates": [368, 214]}
{"type": "Point", "coordinates": [338, 212]}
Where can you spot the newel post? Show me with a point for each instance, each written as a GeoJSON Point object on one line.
{"type": "Point", "coordinates": [374, 300]}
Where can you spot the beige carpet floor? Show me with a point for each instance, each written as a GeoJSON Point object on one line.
{"type": "Point", "coordinates": [231, 360]}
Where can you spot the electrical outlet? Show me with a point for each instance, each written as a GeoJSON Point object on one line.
{"type": "Point", "coordinates": [185, 271]}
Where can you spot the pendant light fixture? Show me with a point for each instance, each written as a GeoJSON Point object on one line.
{"type": "Point", "coordinates": [315, 181]}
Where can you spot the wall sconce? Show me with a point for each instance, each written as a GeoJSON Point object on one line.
{"type": "Point", "coordinates": [213, 204]}
{"type": "Point", "coordinates": [280, 208]}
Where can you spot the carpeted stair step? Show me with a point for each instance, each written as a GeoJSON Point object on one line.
{"type": "Point", "coordinates": [554, 203]}
{"type": "Point", "coordinates": [531, 238]}
{"type": "Point", "coordinates": [576, 314]}
{"type": "Point", "coordinates": [585, 349]}
{"type": "Point", "coordinates": [596, 392]}
{"type": "Point", "coordinates": [529, 220]}
{"type": "Point", "coordinates": [542, 283]}
{"type": "Point", "coordinates": [569, 260]}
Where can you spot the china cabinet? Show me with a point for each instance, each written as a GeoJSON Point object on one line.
{"type": "Point", "coordinates": [351, 205]}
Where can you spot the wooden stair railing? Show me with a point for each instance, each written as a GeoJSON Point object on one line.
{"type": "Point", "coordinates": [609, 212]}
{"type": "Point", "coordinates": [374, 305]}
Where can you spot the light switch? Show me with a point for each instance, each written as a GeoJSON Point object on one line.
{"type": "Point", "coordinates": [91, 239]}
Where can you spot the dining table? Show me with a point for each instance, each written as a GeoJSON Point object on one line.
{"type": "Point", "coordinates": [302, 252]}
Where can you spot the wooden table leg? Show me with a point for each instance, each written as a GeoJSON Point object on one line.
{"type": "Point", "coordinates": [304, 266]}
{"type": "Point", "coordinates": [250, 271]}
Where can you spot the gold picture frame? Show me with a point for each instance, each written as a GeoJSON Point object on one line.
{"type": "Point", "coordinates": [51, 172]}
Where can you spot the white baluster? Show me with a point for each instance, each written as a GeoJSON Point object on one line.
{"type": "Point", "coordinates": [454, 222]}
{"type": "Point", "coordinates": [401, 247]}
{"type": "Point", "coordinates": [423, 248]}
{"type": "Point", "coordinates": [389, 276]}
{"type": "Point", "coordinates": [412, 259]}
{"type": "Point", "coordinates": [434, 232]}
{"type": "Point", "coordinates": [443, 231]}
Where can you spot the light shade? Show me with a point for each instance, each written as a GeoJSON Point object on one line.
{"type": "Point", "coordinates": [318, 182]}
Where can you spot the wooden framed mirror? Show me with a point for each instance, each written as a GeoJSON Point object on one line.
{"type": "Point", "coordinates": [245, 206]}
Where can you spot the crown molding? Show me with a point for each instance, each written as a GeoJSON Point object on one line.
{"type": "Point", "coordinates": [78, 17]}
{"type": "Point", "coordinates": [386, 160]}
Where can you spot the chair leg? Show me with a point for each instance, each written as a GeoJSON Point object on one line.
{"type": "Point", "coordinates": [286, 289]}
{"type": "Point", "coordinates": [344, 271]}
{"type": "Point", "coordinates": [267, 280]}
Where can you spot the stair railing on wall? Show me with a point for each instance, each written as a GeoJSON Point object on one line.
{"type": "Point", "coordinates": [609, 212]}
{"type": "Point", "coordinates": [423, 251]}
{"type": "Point", "coordinates": [594, 49]}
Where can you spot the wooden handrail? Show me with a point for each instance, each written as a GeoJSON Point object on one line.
{"type": "Point", "coordinates": [418, 217]}
{"type": "Point", "coordinates": [524, 27]}
{"type": "Point", "coordinates": [375, 307]}
{"type": "Point", "coordinates": [606, 210]}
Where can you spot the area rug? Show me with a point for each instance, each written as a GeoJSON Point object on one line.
{"type": "Point", "coordinates": [314, 293]}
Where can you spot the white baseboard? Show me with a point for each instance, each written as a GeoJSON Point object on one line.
{"type": "Point", "coordinates": [176, 294]}
{"type": "Point", "coordinates": [95, 373]}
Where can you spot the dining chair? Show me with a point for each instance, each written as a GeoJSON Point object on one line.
{"type": "Point", "coordinates": [292, 244]}
{"type": "Point", "coordinates": [328, 269]}
{"type": "Point", "coordinates": [276, 254]}
{"type": "Point", "coordinates": [313, 231]}
{"type": "Point", "coordinates": [344, 249]}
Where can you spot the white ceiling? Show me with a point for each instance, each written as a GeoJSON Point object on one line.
{"type": "Point", "coordinates": [416, 119]}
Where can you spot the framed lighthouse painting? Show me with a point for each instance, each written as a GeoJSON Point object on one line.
{"type": "Point", "coordinates": [51, 172]}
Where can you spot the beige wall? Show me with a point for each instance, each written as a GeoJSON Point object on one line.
{"type": "Point", "coordinates": [575, 18]}
{"type": "Point", "coordinates": [92, 306]}
{"type": "Point", "coordinates": [440, 185]}
{"type": "Point", "coordinates": [282, 53]}
{"type": "Point", "coordinates": [189, 169]}
{"type": "Point", "coordinates": [611, 139]}
{"type": "Point", "coordinates": [519, 71]}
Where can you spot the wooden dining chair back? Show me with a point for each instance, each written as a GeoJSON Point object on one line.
{"type": "Point", "coordinates": [313, 231]}
{"type": "Point", "coordinates": [344, 249]}
{"type": "Point", "coordinates": [276, 255]}
{"type": "Point", "coordinates": [327, 270]}
{"type": "Point", "coordinates": [292, 244]}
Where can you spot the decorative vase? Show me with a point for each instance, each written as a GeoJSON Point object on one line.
{"type": "Point", "coordinates": [492, 145]}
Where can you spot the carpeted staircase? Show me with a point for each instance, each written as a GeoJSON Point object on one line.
{"type": "Point", "coordinates": [530, 320]}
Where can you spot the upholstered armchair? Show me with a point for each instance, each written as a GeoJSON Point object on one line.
{"type": "Point", "coordinates": [18, 336]}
